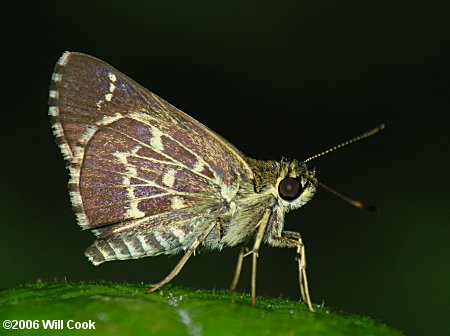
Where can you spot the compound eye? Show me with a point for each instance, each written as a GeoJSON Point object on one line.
{"type": "Point", "coordinates": [289, 188]}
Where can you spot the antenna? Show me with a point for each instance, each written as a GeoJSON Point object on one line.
{"type": "Point", "coordinates": [347, 199]}
{"type": "Point", "coordinates": [343, 144]}
{"type": "Point", "coordinates": [356, 204]}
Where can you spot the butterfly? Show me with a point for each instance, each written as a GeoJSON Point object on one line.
{"type": "Point", "coordinates": [147, 179]}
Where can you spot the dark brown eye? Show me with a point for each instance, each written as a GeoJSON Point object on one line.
{"type": "Point", "coordinates": [289, 188]}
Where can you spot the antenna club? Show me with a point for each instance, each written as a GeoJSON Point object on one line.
{"type": "Point", "coordinates": [362, 206]}
{"type": "Point", "coordinates": [351, 201]}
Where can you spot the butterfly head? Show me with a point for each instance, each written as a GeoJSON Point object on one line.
{"type": "Point", "coordinates": [296, 184]}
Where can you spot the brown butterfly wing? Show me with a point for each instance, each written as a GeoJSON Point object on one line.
{"type": "Point", "coordinates": [131, 155]}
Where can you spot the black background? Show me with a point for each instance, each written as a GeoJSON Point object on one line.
{"type": "Point", "coordinates": [280, 78]}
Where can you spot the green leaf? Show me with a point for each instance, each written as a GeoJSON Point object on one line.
{"type": "Point", "coordinates": [124, 309]}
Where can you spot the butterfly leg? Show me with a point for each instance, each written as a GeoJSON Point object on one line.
{"type": "Point", "coordinates": [294, 239]}
{"type": "Point", "coordinates": [303, 280]}
{"type": "Point", "coordinates": [237, 272]}
{"type": "Point", "coordinates": [183, 260]}
{"type": "Point", "coordinates": [258, 240]}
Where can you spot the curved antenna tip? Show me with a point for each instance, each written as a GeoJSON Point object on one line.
{"type": "Point", "coordinates": [362, 206]}
{"type": "Point", "coordinates": [351, 201]}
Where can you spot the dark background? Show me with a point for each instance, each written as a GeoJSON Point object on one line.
{"type": "Point", "coordinates": [281, 78]}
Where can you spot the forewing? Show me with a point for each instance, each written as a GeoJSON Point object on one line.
{"type": "Point", "coordinates": [132, 155]}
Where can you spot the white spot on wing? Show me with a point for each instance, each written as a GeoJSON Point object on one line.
{"type": "Point", "coordinates": [117, 250]}
{"type": "Point", "coordinates": [64, 58]}
{"type": "Point", "coordinates": [109, 95]}
{"type": "Point", "coordinates": [122, 156]}
{"type": "Point", "coordinates": [156, 141]}
{"type": "Point", "coordinates": [198, 166]}
{"type": "Point", "coordinates": [57, 130]}
{"type": "Point", "coordinates": [106, 120]}
{"type": "Point", "coordinates": [56, 77]}
{"type": "Point", "coordinates": [76, 198]}
{"type": "Point", "coordinates": [133, 251]}
{"type": "Point", "coordinates": [181, 236]}
{"type": "Point", "coordinates": [53, 111]}
{"type": "Point", "coordinates": [88, 134]}
{"type": "Point", "coordinates": [112, 77]}
{"type": "Point", "coordinates": [91, 259]}
{"type": "Point", "coordinates": [177, 203]}
{"type": "Point", "coordinates": [133, 210]}
{"type": "Point", "coordinates": [82, 219]}
{"type": "Point", "coordinates": [104, 252]}
{"type": "Point", "coordinates": [227, 192]}
{"type": "Point", "coordinates": [74, 174]}
{"type": "Point", "coordinates": [65, 151]}
{"type": "Point", "coordinates": [169, 177]}
{"type": "Point", "coordinates": [162, 241]}
{"type": "Point", "coordinates": [99, 104]}
{"type": "Point", "coordinates": [54, 94]}
{"type": "Point", "coordinates": [146, 247]}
